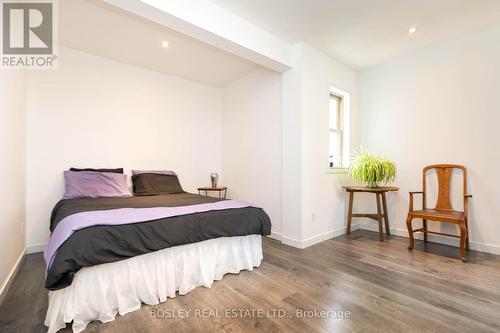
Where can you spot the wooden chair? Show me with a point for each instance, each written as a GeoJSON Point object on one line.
{"type": "Point", "coordinates": [443, 212]}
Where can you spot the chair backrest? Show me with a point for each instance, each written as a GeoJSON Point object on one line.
{"type": "Point", "coordinates": [444, 172]}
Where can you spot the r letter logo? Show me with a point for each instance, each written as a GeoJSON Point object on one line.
{"type": "Point", "coordinates": [28, 31]}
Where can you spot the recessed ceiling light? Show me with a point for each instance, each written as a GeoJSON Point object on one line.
{"type": "Point", "coordinates": [412, 30]}
{"type": "Point", "coordinates": [165, 44]}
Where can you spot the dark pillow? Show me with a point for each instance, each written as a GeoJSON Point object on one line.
{"type": "Point", "coordinates": [118, 170]}
{"type": "Point", "coordinates": [156, 184]}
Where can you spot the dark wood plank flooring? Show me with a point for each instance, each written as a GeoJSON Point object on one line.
{"type": "Point", "coordinates": [385, 288]}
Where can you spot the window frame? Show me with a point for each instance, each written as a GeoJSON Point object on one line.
{"type": "Point", "coordinates": [340, 131]}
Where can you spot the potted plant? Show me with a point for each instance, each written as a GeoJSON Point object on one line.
{"type": "Point", "coordinates": [371, 170]}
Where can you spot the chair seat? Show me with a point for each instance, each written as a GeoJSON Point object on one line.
{"type": "Point", "coordinates": [439, 214]}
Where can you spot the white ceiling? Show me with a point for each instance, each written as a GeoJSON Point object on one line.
{"type": "Point", "coordinates": [364, 33]}
{"type": "Point", "coordinates": [98, 28]}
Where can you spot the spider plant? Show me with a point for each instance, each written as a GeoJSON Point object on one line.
{"type": "Point", "coordinates": [371, 170]}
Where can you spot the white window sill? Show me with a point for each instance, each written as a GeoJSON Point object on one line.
{"type": "Point", "coordinates": [338, 170]}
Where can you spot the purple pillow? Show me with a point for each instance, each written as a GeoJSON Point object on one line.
{"type": "Point", "coordinates": [157, 172]}
{"type": "Point", "coordinates": [89, 184]}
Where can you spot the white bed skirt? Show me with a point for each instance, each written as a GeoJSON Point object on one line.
{"type": "Point", "coordinates": [102, 291]}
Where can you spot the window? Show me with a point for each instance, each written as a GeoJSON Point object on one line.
{"type": "Point", "coordinates": [338, 129]}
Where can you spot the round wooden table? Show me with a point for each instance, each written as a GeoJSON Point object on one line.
{"type": "Point", "coordinates": [381, 208]}
{"type": "Point", "coordinates": [222, 191]}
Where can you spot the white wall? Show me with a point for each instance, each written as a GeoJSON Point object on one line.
{"type": "Point", "coordinates": [292, 168]}
{"type": "Point", "coordinates": [251, 142]}
{"type": "Point", "coordinates": [99, 113]}
{"type": "Point", "coordinates": [12, 171]}
{"type": "Point", "coordinates": [322, 192]}
{"type": "Point", "coordinates": [308, 189]}
{"type": "Point", "coordinates": [440, 105]}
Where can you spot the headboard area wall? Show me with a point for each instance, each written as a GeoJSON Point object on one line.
{"type": "Point", "coordinates": [95, 112]}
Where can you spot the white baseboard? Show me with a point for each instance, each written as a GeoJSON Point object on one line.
{"type": "Point", "coordinates": [302, 244]}
{"type": "Point", "coordinates": [35, 248]}
{"type": "Point", "coordinates": [482, 247]}
{"type": "Point", "coordinates": [291, 242]}
{"type": "Point", "coordinates": [10, 277]}
{"type": "Point", "coordinates": [275, 235]}
{"type": "Point", "coordinates": [310, 241]}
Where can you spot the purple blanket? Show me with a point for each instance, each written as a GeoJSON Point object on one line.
{"type": "Point", "coordinates": [78, 221]}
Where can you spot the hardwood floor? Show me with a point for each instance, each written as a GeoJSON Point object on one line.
{"type": "Point", "coordinates": [383, 286]}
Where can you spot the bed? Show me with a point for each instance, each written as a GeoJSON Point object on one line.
{"type": "Point", "coordinates": [108, 255]}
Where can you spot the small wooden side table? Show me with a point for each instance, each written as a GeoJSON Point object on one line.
{"type": "Point", "coordinates": [222, 191]}
{"type": "Point", "coordinates": [381, 211]}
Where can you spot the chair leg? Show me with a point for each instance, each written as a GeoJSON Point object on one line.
{"type": "Point", "coordinates": [466, 234]}
{"type": "Point", "coordinates": [410, 231]}
{"type": "Point", "coordinates": [425, 228]}
{"type": "Point", "coordinates": [463, 238]}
